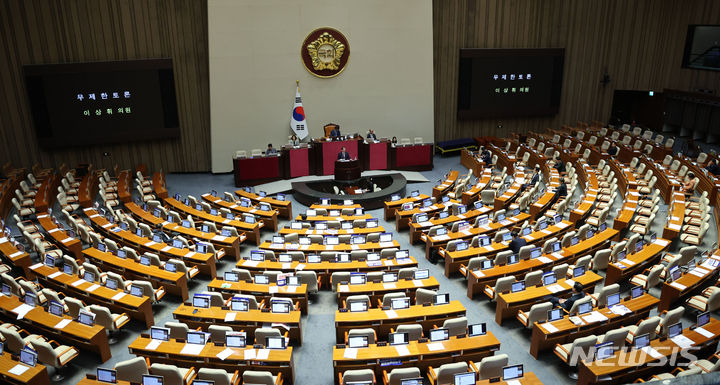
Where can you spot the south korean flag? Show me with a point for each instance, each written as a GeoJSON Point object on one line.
{"type": "Point", "coordinates": [297, 121]}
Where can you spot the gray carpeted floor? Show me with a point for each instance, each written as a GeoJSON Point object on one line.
{"type": "Point", "coordinates": [313, 361]}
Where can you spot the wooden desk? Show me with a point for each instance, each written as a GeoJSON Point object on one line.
{"type": "Point", "coordinates": [329, 207]}
{"type": "Point", "coordinates": [269, 218]}
{"type": "Point", "coordinates": [438, 241]}
{"type": "Point", "coordinates": [174, 283]}
{"type": "Point", "coordinates": [689, 283]}
{"type": "Point", "coordinates": [88, 188]}
{"type": "Point", "coordinates": [318, 248]}
{"type": "Point", "coordinates": [204, 262]}
{"type": "Point", "coordinates": [392, 206]}
{"type": "Point", "coordinates": [16, 257]}
{"type": "Point", "coordinates": [472, 194]}
{"type": "Point", "coordinates": [124, 186]}
{"type": "Point", "coordinates": [228, 289]}
{"type": "Point", "coordinates": [353, 231]}
{"type": "Point", "coordinates": [504, 200]}
{"type": "Point", "coordinates": [91, 379]}
{"type": "Point", "coordinates": [478, 279]}
{"type": "Point", "coordinates": [341, 218]}
{"type": "Point", "coordinates": [47, 193]}
{"type": "Point", "coordinates": [383, 320]}
{"type": "Point", "coordinates": [418, 354]}
{"type": "Point", "coordinates": [527, 379]}
{"type": "Point", "coordinates": [37, 375]}
{"type": "Point", "coordinates": [170, 352]}
{"type": "Point", "coordinates": [453, 259]}
{"type": "Point", "coordinates": [627, 212]}
{"type": "Point", "coordinates": [626, 366]}
{"type": "Point", "coordinates": [469, 159]}
{"type": "Point", "coordinates": [543, 203]}
{"type": "Point", "coordinates": [284, 208]}
{"type": "Point", "coordinates": [224, 245]}
{"type": "Point", "coordinates": [158, 185]}
{"type": "Point", "coordinates": [325, 269]}
{"type": "Point", "coordinates": [251, 230]}
{"type": "Point", "coordinates": [248, 321]}
{"type": "Point", "coordinates": [93, 338]}
{"type": "Point", "coordinates": [72, 246]}
{"type": "Point", "coordinates": [508, 304]}
{"type": "Point", "coordinates": [139, 308]}
{"type": "Point", "coordinates": [676, 216]}
{"type": "Point", "coordinates": [587, 176]}
{"type": "Point", "coordinates": [403, 217]}
{"type": "Point", "coordinates": [546, 335]}
{"type": "Point", "coordinates": [417, 228]}
{"type": "Point", "coordinates": [377, 290]}
{"type": "Point", "coordinates": [446, 185]}
{"type": "Point", "coordinates": [636, 263]}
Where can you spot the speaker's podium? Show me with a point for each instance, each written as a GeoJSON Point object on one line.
{"type": "Point", "coordinates": [347, 170]}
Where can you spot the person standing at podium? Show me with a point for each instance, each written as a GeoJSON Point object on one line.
{"type": "Point", "coordinates": [343, 154]}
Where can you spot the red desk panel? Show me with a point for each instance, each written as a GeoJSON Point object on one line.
{"type": "Point", "coordinates": [418, 155]}
{"type": "Point", "coordinates": [378, 156]}
{"type": "Point", "coordinates": [249, 169]}
{"type": "Point", "coordinates": [299, 162]}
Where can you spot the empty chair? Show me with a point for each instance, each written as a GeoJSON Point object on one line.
{"type": "Point", "coordinates": [362, 298]}
{"type": "Point", "coordinates": [387, 298]}
{"type": "Point", "coordinates": [131, 370]}
{"type": "Point", "coordinates": [262, 333]}
{"type": "Point", "coordinates": [310, 279]}
{"type": "Point", "coordinates": [414, 331]}
{"type": "Point", "coordinates": [218, 376]}
{"type": "Point", "coordinates": [669, 317]}
{"type": "Point", "coordinates": [616, 336]}
{"type": "Point", "coordinates": [502, 285]}
{"type": "Point", "coordinates": [260, 378]}
{"type": "Point", "coordinates": [357, 376]}
{"type": "Point", "coordinates": [396, 376]}
{"type": "Point", "coordinates": [252, 301]}
{"type": "Point", "coordinates": [600, 260]}
{"type": "Point", "coordinates": [217, 332]}
{"type": "Point", "coordinates": [533, 278]}
{"type": "Point", "coordinates": [709, 300]}
{"type": "Point", "coordinates": [537, 313]}
{"type": "Point", "coordinates": [111, 322]}
{"type": "Point", "coordinates": [338, 277]}
{"type": "Point", "coordinates": [578, 348]}
{"type": "Point", "coordinates": [649, 280]}
{"type": "Point", "coordinates": [178, 330]}
{"type": "Point", "coordinates": [423, 296]}
{"type": "Point", "coordinates": [456, 326]}
{"type": "Point", "coordinates": [600, 299]}
{"type": "Point", "coordinates": [445, 374]}
{"type": "Point", "coordinates": [645, 326]}
{"type": "Point", "coordinates": [492, 367]}
{"type": "Point", "coordinates": [172, 375]}
{"type": "Point", "coordinates": [686, 253]}
{"type": "Point", "coordinates": [50, 353]}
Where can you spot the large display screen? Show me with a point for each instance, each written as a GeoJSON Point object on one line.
{"type": "Point", "coordinates": [702, 47]}
{"type": "Point", "coordinates": [76, 104]}
{"type": "Point", "coordinates": [509, 82]}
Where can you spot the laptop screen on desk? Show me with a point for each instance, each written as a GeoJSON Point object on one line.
{"type": "Point", "coordinates": [358, 278]}
{"type": "Point", "coordinates": [106, 375]}
{"type": "Point", "coordinates": [275, 342]}
{"type": "Point", "coordinates": [675, 330]}
{"type": "Point", "coordinates": [358, 341]}
{"type": "Point", "coordinates": [201, 301]}
{"type": "Point", "coordinates": [439, 334]}
{"type": "Point", "coordinates": [467, 378]}
{"type": "Point", "coordinates": [636, 291]}
{"type": "Point", "coordinates": [441, 299]}
{"type": "Point", "coordinates": [239, 304]}
{"type": "Point", "coordinates": [151, 380]}
{"type": "Point", "coordinates": [358, 306]}
{"type": "Point", "coordinates": [512, 372]}
{"type": "Point", "coordinates": [196, 338]}
{"type": "Point", "coordinates": [235, 339]}
{"type": "Point", "coordinates": [477, 329]}
{"type": "Point", "coordinates": [642, 341]}
{"type": "Point", "coordinates": [613, 299]}
{"type": "Point", "coordinates": [398, 338]}
{"type": "Point", "coordinates": [28, 357]}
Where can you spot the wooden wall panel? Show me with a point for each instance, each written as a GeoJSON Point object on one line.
{"type": "Point", "coordinates": [42, 31]}
{"type": "Point", "coordinates": [639, 42]}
